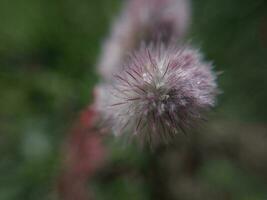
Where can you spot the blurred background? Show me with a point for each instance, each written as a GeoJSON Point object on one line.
{"type": "Point", "coordinates": [48, 53]}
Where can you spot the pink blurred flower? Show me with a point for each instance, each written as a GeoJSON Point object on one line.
{"type": "Point", "coordinates": [160, 92]}
{"type": "Point", "coordinates": [143, 20]}
{"type": "Point", "coordinates": [85, 154]}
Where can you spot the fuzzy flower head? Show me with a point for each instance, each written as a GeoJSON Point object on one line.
{"type": "Point", "coordinates": [166, 19]}
{"type": "Point", "coordinates": [142, 20]}
{"type": "Point", "coordinates": [162, 91]}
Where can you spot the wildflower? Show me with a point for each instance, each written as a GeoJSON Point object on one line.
{"type": "Point", "coordinates": [84, 156]}
{"type": "Point", "coordinates": [161, 19]}
{"type": "Point", "coordinates": [161, 91]}
{"type": "Point", "coordinates": [142, 20]}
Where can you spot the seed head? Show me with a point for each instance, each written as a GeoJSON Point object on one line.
{"type": "Point", "coordinates": [161, 91]}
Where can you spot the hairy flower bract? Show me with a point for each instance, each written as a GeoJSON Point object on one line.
{"type": "Point", "coordinates": [161, 91]}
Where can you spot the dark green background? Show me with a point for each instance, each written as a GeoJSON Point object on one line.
{"type": "Point", "coordinates": [48, 52]}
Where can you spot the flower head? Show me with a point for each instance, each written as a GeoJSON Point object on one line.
{"type": "Point", "coordinates": [142, 20]}
{"type": "Point", "coordinates": [164, 19]}
{"type": "Point", "coordinates": [161, 91]}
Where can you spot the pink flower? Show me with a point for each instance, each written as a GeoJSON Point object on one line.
{"type": "Point", "coordinates": [85, 154]}
{"type": "Point", "coordinates": [143, 20]}
{"type": "Point", "coordinates": [160, 92]}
